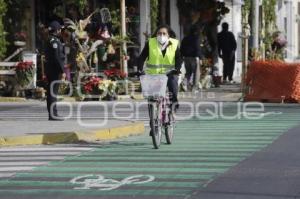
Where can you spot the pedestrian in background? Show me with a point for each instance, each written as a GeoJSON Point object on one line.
{"type": "Point", "coordinates": [227, 47]}
{"type": "Point", "coordinates": [191, 51]}
{"type": "Point", "coordinates": [163, 57]}
{"type": "Point", "coordinates": [54, 68]}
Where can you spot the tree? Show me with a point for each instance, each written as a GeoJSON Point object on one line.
{"type": "Point", "coordinates": [269, 26]}
{"type": "Point", "coordinates": [267, 29]}
{"type": "Point", "coordinates": [163, 14]}
{"type": "Point", "coordinates": [3, 43]}
{"type": "Point", "coordinates": [154, 14]}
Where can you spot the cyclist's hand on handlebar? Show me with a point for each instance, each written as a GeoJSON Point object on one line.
{"type": "Point", "coordinates": [174, 72]}
{"type": "Point", "coordinates": [140, 73]}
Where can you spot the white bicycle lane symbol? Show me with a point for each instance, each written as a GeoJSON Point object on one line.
{"type": "Point", "coordinates": [103, 184]}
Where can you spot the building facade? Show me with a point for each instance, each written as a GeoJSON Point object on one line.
{"type": "Point", "coordinates": [41, 12]}
{"type": "Point", "coordinates": [288, 22]}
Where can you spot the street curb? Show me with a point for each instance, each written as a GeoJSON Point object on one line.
{"type": "Point", "coordinates": [136, 128]}
{"type": "Point", "coordinates": [12, 99]}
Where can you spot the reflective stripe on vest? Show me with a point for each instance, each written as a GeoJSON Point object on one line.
{"type": "Point", "coordinates": [158, 69]}
{"type": "Point", "coordinates": [157, 63]}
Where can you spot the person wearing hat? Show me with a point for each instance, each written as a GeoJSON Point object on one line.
{"type": "Point", "coordinates": [54, 68]}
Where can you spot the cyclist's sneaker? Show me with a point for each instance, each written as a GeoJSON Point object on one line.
{"type": "Point", "coordinates": [150, 133]}
{"type": "Point", "coordinates": [176, 107]}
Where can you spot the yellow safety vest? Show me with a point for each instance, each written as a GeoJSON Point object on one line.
{"type": "Point", "coordinates": [157, 63]}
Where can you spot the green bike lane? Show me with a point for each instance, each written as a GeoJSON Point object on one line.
{"type": "Point", "coordinates": [131, 168]}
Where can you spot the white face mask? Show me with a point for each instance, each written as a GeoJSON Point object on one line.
{"type": "Point", "coordinates": [162, 39]}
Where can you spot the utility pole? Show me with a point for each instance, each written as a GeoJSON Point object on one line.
{"type": "Point", "coordinates": [245, 36]}
{"type": "Point", "coordinates": [123, 53]}
{"type": "Point", "coordinates": [246, 32]}
{"type": "Point", "coordinates": [123, 49]}
{"type": "Point", "coordinates": [255, 24]}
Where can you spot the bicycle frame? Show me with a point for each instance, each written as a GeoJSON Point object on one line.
{"type": "Point", "coordinates": [161, 117]}
{"type": "Point", "coordinates": [164, 104]}
{"type": "Point", "coordinates": [154, 88]}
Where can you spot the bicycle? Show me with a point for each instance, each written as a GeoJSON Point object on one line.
{"type": "Point", "coordinates": [154, 89]}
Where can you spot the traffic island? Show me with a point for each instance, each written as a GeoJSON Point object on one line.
{"type": "Point", "coordinates": [102, 134]}
{"type": "Point", "coordinates": [12, 99]}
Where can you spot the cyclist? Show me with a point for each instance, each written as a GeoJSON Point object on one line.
{"type": "Point", "coordinates": [163, 57]}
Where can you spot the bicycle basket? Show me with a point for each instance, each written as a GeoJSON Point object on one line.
{"type": "Point", "coordinates": [154, 85]}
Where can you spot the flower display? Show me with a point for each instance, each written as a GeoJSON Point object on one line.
{"type": "Point", "coordinates": [114, 74]}
{"type": "Point", "coordinates": [24, 72]}
{"type": "Point", "coordinates": [109, 87]}
{"type": "Point", "coordinates": [91, 85]}
{"type": "Point", "coordinates": [97, 86]}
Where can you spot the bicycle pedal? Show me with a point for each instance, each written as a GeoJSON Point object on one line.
{"type": "Point", "coordinates": [150, 133]}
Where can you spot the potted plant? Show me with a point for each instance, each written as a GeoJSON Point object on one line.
{"type": "Point", "coordinates": [119, 77]}
{"type": "Point", "coordinates": [109, 87]}
{"type": "Point", "coordinates": [24, 73]}
{"type": "Point", "coordinates": [20, 39]}
{"type": "Point", "coordinates": [95, 88]}
{"type": "Point", "coordinates": [114, 74]}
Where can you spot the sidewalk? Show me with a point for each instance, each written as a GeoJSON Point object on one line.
{"type": "Point", "coordinates": [226, 92]}
{"type": "Point", "coordinates": [70, 131]}
{"type": "Point", "coordinates": [26, 132]}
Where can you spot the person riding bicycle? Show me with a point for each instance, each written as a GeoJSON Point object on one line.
{"type": "Point", "coordinates": [163, 57]}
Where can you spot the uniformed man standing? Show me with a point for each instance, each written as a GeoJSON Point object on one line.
{"type": "Point", "coordinates": [54, 68]}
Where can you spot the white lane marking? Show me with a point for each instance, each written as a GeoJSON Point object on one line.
{"type": "Point", "coordinates": [103, 184]}
{"type": "Point", "coordinates": [6, 175]}
{"type": "Point", "coordinates": [29, 153]}
{"type": "Point", "coordinates": [21, 159]}
{"type": "Point", "coordinates": [31, 158]}
{"type": "Point", "coordinates": [18, 149]}
{"type": "Point", "coordinates": [262, 113]}
{"type": "Point", "coordinates": [23, 163]}
{"type": "Point", "coordinates": [16, 169]}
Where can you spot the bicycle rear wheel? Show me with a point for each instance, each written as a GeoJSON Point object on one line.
{"type": "Point", "coordinates": [155, 123]}
{"type": "Point", "coordinates": [169, 129]}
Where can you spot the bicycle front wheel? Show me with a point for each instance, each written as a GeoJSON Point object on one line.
{"type": "Point", "coordinates": [155, 124]}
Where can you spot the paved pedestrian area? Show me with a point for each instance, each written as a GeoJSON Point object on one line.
{"type": "Point", "coordinates": [203, 150]}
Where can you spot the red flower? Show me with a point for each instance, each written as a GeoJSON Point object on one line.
{"type": "Point", "coordinates": [92, 84]}
{"type": "Point", "coordinates": [88, 88]}
{"type": "Point", "coordinates": [115, 74]}
{"type": "Point", "coordinates": [23, 66]}
{"type": "Point", "coordinates": [24, 72]}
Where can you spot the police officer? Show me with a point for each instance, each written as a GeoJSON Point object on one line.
{"type": "Point", "coordinates": [54, 68]}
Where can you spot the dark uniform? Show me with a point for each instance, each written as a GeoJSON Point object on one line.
{"type": "Point", "coordinates": [54, 68]}
{"type": "Point", "coordinates": [227, 46]}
